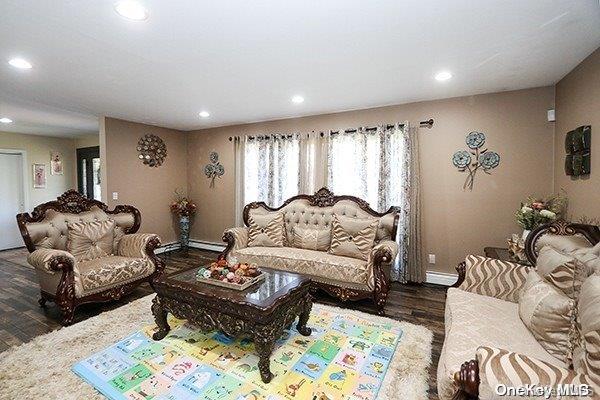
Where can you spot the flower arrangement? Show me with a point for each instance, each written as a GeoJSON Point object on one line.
{"type": "Point", "coordinates": [535, 212]}
{"type": "Point", "coordinates": [182, 206]}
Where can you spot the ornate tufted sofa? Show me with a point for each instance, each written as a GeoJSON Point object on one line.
{"type": "Point", "coordinates": [487, 343]}
{"type": "Point", "coordinates": [69, 282]}
{"type": "Point", "coordinates": [347, 278]}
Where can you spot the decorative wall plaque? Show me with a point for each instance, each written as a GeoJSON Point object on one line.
{"type": "Point", "coordinates": [475, 158]}
{"type": "Point", "coordinates": [214, 169]}
{"type": "Point", "coordinates": [578, 145]}
{"type": "Point", "coordinates": [152, 151]}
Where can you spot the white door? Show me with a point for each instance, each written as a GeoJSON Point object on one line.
{"type": "Point", "coordinates": [11, 199]}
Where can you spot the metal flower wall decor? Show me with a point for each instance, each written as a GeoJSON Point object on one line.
{"type": "Point", "coordinates": [475, 158]}
{"type": "Point", "coordinates": [214, 169]}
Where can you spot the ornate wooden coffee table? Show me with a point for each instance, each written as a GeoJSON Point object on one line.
{"type": "Point", "coordinates": [261, 312]}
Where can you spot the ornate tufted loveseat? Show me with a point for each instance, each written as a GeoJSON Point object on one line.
{"type": "Point", "coordinates": [344, 277]}
{"type": "Point", "coordinates": [69, 282]}
{"type": "Point", "coordinates": [487, 344]}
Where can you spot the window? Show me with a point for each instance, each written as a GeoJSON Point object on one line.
{"type": "Point", "coordinates": [271, 169]}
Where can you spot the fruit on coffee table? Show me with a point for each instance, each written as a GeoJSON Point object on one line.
{"type": "Point", "coordinates": [237, 273]}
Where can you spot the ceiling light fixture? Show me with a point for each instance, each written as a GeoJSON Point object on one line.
{"type": "Point", "coordinates": [20, 63]}
{"type": "Point", "coordinates": [297, 99]}
{"type": "Point", "coordinates": [132, 10]}
{"type": "Point", "coordinates": [204, 114]}
{"type": "Point", "coordinates": [5, 120]}
{"type": "Point", "coordinates": [443, 76]}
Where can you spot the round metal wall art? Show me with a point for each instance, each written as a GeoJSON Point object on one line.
{"type": "Point", "coordinates": [152, 151]}
{"type": "Point", "coordinates": [474, 159]}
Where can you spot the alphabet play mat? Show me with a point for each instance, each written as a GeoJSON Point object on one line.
{"type": "Point", "coordinates": [346, 357]}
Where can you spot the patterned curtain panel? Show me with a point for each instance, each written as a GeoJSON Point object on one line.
{"type": "Point", "coordinates": [381, 166]}
{"type": "Point", "coordinates": [271, 168]}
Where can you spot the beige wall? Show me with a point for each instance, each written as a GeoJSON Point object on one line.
{"type": "Point", "coordinates": [578, 103]}
{"type": "Point", "coordinates": [455, 222]}
{"type": "Point", "coordinates": [38, 150]}
{"type": "Point", "coordinates": [87, 141]}
{"type": "Point", "coordinates": [149, 189]}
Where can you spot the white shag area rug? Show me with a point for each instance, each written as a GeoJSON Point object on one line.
{"type": "Point", "coordinates": [41, 369]}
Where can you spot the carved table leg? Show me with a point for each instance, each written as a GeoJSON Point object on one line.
{"type": "Point", "coordinates": [42, 301]}
{"type": "Point", "coordinates": [160, 317]}
{"type": "Point", "coordinates": [264, 347]}
{"type": "Point", "coordinates": [303, 318]}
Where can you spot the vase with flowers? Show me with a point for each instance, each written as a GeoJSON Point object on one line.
{"type": "Point", "coordinates": [535, 212]}
{"type": "Point", "coordinates": [183, 208]}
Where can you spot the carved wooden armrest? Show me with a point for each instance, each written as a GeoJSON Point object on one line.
{"type": "Point", "coordinates": [467, 379]}
{"type": "Point", "coordinates": [491, 277]}
{"type": "Point", "coordinates": [51, 260]}
{"type": "Point", "coordinates": [236, 238]}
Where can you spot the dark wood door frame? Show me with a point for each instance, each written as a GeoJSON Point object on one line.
{"type": "Point", "coordinates": [86, 153]}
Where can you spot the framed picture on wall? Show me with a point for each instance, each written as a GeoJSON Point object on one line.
{"type": "Point", "coordinates": [39, 176]}
{"type": "Point", "coordinates": [56, 165]}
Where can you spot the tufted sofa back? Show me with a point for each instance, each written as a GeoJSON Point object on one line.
{"type": "Point", "coordinates": [52, 232]}
{"type": "Point", "coordinates": [301, 213]}
{"type": "Point", "coordinates": [46, 226]}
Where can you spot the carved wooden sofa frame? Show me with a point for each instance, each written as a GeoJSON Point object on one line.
{"type": "Point", "coordinates": [467, 379]}
{"type": "Point", "coordinates": [325, 198]}
{"type": "Point", "coordinates": [73, 202]}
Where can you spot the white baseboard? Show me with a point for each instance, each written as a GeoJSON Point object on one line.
{"type": "Point", "coordinates": [440, 278]}
{"type": "Point", "coordinates": [167, 247]}
{"type": "Point", "coordinates": [201, 244]}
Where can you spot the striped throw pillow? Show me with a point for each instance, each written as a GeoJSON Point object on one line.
{"type": "Point", "coordinates": [266, 230]}
{"type": "Point", "coordinates": [503, 367]}
{"type": "Point", "coordinates": [494, 278]}
{"type": "Point", "coordinates": [352, 237]}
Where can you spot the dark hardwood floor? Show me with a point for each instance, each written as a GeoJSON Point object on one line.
{"type": "Point", "coordinates": [21, 319]}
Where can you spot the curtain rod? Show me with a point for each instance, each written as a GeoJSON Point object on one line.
{"type": "Point", "coordinates": [422, 124]}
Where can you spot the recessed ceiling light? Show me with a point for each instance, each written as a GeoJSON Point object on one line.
{"type": "Point", "coordinates": [131, 10]}
{"type": "Point", "coordinates": [204, 114]}
{"type": "Point", "coordinates": [20, 63]}
{"type": "Point", "coordinates": [443, 76]}
{"type": "Point", "coordinates": [297, 99]}
{"type": "Point", "coordinates": [5, 120]}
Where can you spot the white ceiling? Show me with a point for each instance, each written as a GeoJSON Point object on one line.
{"type": "Point", "coordinates": [243, 60]}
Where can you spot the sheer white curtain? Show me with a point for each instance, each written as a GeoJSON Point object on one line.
{"type": "Point", "coordinates": [367, 163]}
{"type": "Point", "coordinates": [381, 166]}
{"type": "Point", "coordinates": [271, 170]}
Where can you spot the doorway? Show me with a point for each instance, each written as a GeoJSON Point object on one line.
{"type": "Point", "coordinates": [88, 172]}
{"type": "Point", "coordinates": [12, 198]}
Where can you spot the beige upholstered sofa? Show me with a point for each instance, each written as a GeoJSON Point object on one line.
{"type": "Point", "coordinates": [501, 319]}
{"type": "Point", "coordinates": [347, 277]}
{"type": "Point", "coordinates": [84, 253]}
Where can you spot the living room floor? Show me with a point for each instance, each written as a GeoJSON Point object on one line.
{"type": "Point", "coordinates": [21, 319]}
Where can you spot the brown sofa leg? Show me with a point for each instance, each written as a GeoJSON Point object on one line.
{"type": "Point", "coordinates": [42, 300]}
{"type": "Point", "coordinates": [380, 299]}
{"type": "Point", "coordinates": [68, 314]}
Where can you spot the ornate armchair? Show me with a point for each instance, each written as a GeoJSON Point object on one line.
{"type": "Point", "coordinates": [116, 266]}
{"type": "Point", "coordinates": [346, 277]}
